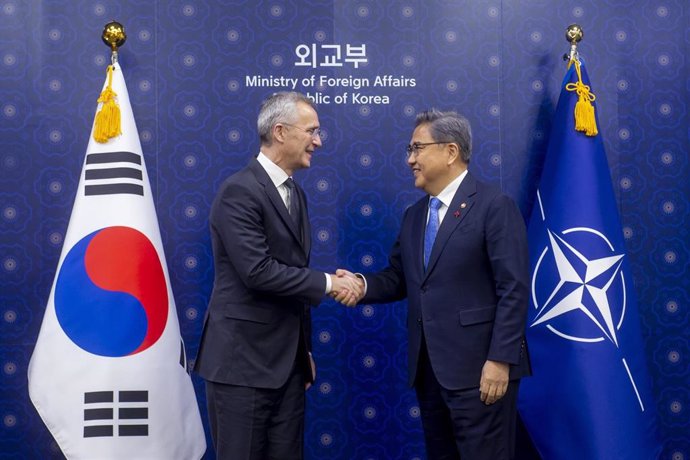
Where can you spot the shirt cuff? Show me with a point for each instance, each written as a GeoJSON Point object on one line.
{"type": "Point", "coordinates": [360, 276]}
{"type": "Point", "coordinates": [329, 284]}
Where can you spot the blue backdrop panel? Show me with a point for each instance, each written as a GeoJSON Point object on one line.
{"type": "Point", "coordinates": [187, 65]}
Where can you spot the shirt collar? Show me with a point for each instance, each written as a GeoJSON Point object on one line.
{"type": "Point", "coordinates": [275, 172]}
{"type": "Point", "coordinates": [447, 194]}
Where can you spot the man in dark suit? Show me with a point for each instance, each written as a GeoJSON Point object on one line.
{"type": "Point", "coordinates": [255, 346]}
{"type": "Point", "coordinates": [461, 260]}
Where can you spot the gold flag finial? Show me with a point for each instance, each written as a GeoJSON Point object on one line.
{"type": "Point", "coordinates": [114, 35]}
{"type": "Point", "coordinates": [108, 122]}
{"type": "Point", "coordinates": [585, 121]}
{"type": "Point", "coordinates": [574, 35]}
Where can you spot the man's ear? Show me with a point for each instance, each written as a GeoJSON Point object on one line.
{"type": "Point", "coordinates": [453, 153]}
{"type": "Point", "coordinates": [279, 132]}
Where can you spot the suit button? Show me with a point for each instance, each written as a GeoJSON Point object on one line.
{"type": "Point", "coordinates": [419, 320]}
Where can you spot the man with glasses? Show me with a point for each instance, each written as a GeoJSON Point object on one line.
{"type": "Point", "coordinates": [461, 260]}
{"type": "Point", "coordinates": [254, 351]}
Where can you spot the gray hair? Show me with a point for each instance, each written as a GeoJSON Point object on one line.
{"type": "Point", "coordinates": [448, 127]}
{"type": "Point", "coordinates": [279, 108]}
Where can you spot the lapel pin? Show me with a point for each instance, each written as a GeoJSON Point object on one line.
{"type": "Point", "coordinates": [463, 205]}
{"type": "Point", "coordinates": [456, 214]}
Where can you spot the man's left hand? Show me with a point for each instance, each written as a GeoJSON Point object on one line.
{"type": "Point", "coordinates": [494, 382]}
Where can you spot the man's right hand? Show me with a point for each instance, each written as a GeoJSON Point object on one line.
{"type": "Point", "coordinates": [347, 288]}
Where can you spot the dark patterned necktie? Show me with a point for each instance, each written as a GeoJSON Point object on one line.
{"type": "Point", "coordinates": [293, 201]}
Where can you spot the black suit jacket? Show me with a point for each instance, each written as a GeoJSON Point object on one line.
{"type": "Point", "coordinates": [472, 300]}
{"type": "Point", "coordinates": [258, 311]}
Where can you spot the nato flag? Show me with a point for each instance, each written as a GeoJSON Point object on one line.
{"type": "Point", "coordinates": [590, 396]}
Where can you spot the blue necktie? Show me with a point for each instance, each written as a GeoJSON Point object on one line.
{"type": "Point", "coordinates": [431, 229]}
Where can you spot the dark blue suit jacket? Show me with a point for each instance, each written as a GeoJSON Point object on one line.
{"type": "Point", "coordinates": [472, 300]}
{"type": "Point", "coordinates": [259, 306]}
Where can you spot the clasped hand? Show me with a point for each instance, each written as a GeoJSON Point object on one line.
{"type": "Point", "coordinates": [346, 288]}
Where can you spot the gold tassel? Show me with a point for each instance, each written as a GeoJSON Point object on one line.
{"type": "Point", "coordinates": [585, 121]}
{"type": "Point", "coordinates": [107, 123]}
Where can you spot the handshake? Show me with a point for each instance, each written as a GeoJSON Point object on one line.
{"type": "Point", "coordinates": [346, 287]}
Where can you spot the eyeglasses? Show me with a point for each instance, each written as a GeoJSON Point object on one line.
{"type": "Point", "coordinates": [413, 149]}
{"type": "Point", "coordinates": [313, 132]}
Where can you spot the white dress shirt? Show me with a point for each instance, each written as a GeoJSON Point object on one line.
{"type": "Point", "coordinates": [276, 174]}
{"type": "Point", "coordinates": [446, 197]}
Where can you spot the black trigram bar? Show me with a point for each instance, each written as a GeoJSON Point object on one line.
{"type": "Point", "coordinates": [98, 431]}
{"type": "Point", "coordinates": [113, 173]}
{"type": "Point", "coordinates": [132, 413]}
{"type": "Point", "coordinates": [113, 189]}
{"type": "Point", "coordinates": [98, 414]}
{"type": "Point", "coordinates": [183, 356]}
{"type": "Point", "coordinates": [133, 396]}
{"type": "Point", "coordinates": [98, 397]}
{"type": "Point", "coordinates": [133, 430]}
{"type": "Point", "coordinates": [113, 157]}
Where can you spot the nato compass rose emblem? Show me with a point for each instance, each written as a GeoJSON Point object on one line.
{"type": "Point", "coordinates": [578, 287]}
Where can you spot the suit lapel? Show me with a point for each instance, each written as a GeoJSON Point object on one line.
{"type": "Point", "coordinates": [417, 219]}
{"type": "Point", "coordinates": [305, 230]}
{"type": "Point", "coordinates": [457, 212]}
{"type": "Point", "coordinates": [275, 199]}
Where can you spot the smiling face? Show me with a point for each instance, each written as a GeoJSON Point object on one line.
{"type": "Point", "coordinates": [432, 165]}
{"type": "Point", "coordinates": [299, 144]}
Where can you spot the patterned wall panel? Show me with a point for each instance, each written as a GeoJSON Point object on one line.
{"type": "Point", "coordinates": [186, 64]}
